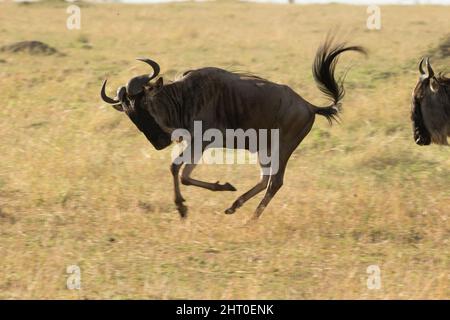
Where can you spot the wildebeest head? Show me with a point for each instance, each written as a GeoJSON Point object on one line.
{"type": "Point", "coordinates": [430, 110]}
{"type": "Point", "coordinates": [130, 99]}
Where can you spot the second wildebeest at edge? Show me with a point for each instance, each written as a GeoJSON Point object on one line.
{"type": "Point", "coordinates": [430, 108]}
{"type": "Point", "coordinates": [226, 100]}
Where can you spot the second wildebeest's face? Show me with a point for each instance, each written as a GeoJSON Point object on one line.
{"type": "Point", "coordinates": [421, 133]}
{"type": "Point", "coordinates": [421, 97]}
{"type": "Point", "coordinates": [131, 100]}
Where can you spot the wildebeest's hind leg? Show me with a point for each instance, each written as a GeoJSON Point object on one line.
{"type": "Point", "coordinates": [260, 186]}
{"type": "Point", "coordinates": [175, 169]}
{"type": "Point", "coordinates": [276, 181]}
{"type": "Point", "coordinates": [288, 143]}
{"type": "Point", "coordinates": [187, 180]}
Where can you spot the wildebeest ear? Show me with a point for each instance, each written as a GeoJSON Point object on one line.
{"type": "Point", "coordinates": [159, 84]}
{"type": "Point", "coordinates": [434, 85]}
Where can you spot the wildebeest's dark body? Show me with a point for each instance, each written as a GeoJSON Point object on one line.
{"type": "Point", "coordinates": [220, 99]}
{"type": "Point", "coordinates": [225, 100]}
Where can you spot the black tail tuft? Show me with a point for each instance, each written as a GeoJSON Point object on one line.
{"type": "Point", "coordinates": [331, 113]}
{"type": "Point", "coordinates": [323, 72]}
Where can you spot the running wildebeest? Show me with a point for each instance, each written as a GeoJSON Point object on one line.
{"type": "Point", "coordinates": [227, 100]}
{"type": "Point", "coordinates": [430, 108]}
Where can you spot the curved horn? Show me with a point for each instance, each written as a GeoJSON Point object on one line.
{"type": "Point", "coordinates": [152, 64]}
{"type": "Point", "coordinates": [429, 69]}
{"type": "Point", "coordinates": [136, 84]}
{"type": "Point", "coordinates": [422, 72]}
{"type": "Point", "coordinates": [105, 97]}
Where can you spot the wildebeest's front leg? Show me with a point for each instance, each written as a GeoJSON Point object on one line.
{"type": "Point", "coordinates": [187, 180]}
{"type": "Point", "coordinates": [175, 169]}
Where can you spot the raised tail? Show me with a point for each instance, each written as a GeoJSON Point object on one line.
{"type": "Point", "coordinates": [323, 72]}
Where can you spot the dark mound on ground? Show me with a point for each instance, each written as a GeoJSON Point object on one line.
{"type": "Point", "coordinates": [30, 47]}
{"type": "Point", "coordinates": [443, 49]}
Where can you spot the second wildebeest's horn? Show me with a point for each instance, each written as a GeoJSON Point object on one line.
{"type": "Point", "coordinates": [136, 85]}
{"type": "Point", "coordinates": [105, 97]}
{"type": "Point", "coordinates": [429, 69]}
{"type": "Point", "coordinates": [422, 72]}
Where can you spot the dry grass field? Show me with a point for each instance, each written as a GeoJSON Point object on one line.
{"type": "Point", "coordinates": [80, 185]}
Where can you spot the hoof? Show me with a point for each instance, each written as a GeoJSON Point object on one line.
{"type": "Point", "coordinates": [224, 187]}
{"type": "Point", "coordinates": [182, 210]}
{"type": "Point", "coordinates": [229, 187]}
{"type": "Point", "coordinates": [230, 211]}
